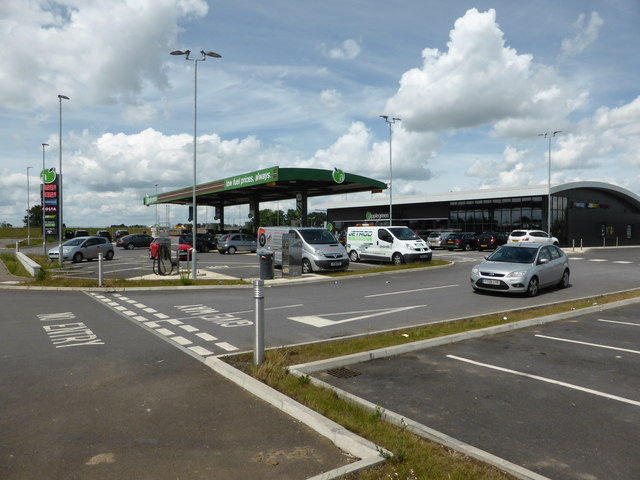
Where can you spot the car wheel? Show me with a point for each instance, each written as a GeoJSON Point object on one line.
{"type": "Point", "coordinates": [205, 249]}
{"type": "Point", "coordinates": [109, 255]}
{"type": "Point", "coordinates": [353, 256]}
{"type": "Point", "coordinates": [397, 259]}
{"type": "Point", "coordinates": [564, 281]}
{"type": "Point", "coordinates": [232, 250]}
{"type": "Point", "coordinates": [532, 288]}
{"type": "Point", "coordinates": [77, 258]}
{"type": "Point", "coordinates": [467, 247]}
{"type": "Point", "coordinates": [306, 266]}
{"type": "Point", "coordinates": [130, 246]}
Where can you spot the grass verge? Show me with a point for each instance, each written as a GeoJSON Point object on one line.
{"type": "Point", "coordinates": [413, 457]}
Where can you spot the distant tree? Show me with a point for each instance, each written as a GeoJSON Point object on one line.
{"type": "Point", "coordinates": [270, 217]}
{"type": "Point", "coordinates": [33, 217]}
{"type": "Point", "coordinates": [5, 225]}
{"type": "Point", "coordinates": [316, 219]}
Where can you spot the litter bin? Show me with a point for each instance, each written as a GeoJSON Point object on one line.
{"type": "Point", "coordinates": [266, 266]}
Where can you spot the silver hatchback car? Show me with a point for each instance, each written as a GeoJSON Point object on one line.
{"type": "Point", "coordinates": [83, 248]}
{"type": "Point", "coordinates": [522, 268]}
{"type": "Point", "coordinates": [237, 242]}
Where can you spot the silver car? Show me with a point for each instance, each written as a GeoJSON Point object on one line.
{"type": "Point", "coordinates": [83, 248]}
{"type": "Point", "coordinates": [237, 242]}
{"type": "Point", "coordinates": [522, 268]}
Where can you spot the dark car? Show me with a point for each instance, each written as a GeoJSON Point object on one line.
{"type": "Point", "coordinates": [204, 242]}
{"type": "Point", "coordinates": [81, 233]}
{"type": "Point", "coordinates": [491, 240]}
{"type": "Point", "coordinates": [121, 233]}
{"type": "Point", "coordinates": [105, 234]}
{"type": "Point", "coordinates": [462, 241]}
{"type": "Point", "coordinates": [136, 240]}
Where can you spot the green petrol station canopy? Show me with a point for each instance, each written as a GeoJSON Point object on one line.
{"type": "Point", "coordinates": [268, 185]}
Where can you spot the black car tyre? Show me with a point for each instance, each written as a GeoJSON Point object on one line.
{"type": "Point", "coordinates": [467, 247]}
{"type": "Point", "coordinates": [109, 255]}
{"type": "Point", "coordinates": [77, 258]}
{"type": "Point", "coordinates": [306, 266]}
{"type": "Point", "coordinates": [205, 249]}
{"type": "Point", "coordinates": [232, 250]}
{"type": "Point", "coordinates": [564, 281]}
{"type": "Point", "coordinates": [397, 259]}
{"type": "Point", "coordinates": [130, 246]}
{"type": "Point", "coordinates": [532, 288]}
{"type": "Point", "coordinates": [353, 256]}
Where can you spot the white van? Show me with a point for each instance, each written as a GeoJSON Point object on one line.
{"type": "Point", "coordinates": [320, 249]}
{"type": "Point", "coordinates": [390, 244]}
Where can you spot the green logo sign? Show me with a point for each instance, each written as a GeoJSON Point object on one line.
{"type": "Point", "coordinates": [338, 175]}
{"type": "Point", "coordinates": [48, 176]}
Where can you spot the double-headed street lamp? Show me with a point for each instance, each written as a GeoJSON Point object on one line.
{"type": "Point", "coordinates": [390, 121]}
{"type": "Point", "coordinates": [44, 228]}
{"type": "Point", "coordinates": [549, 135]}
{"type": "Point", "coordinates": [28, 212]}
{"type": "Point", "coordinates": [60, 222]}
{"type": "Point", "coordinates": [194, 216]}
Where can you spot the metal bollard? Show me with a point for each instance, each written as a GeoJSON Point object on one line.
{"type": "Point", "coordinates": [99, 270]}
{"type": "Point", "coordinates": [258, 295]}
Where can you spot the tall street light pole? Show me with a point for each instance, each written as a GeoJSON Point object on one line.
{"type": "Point", "coordinates": [44, 229]}
{"type": "Point", "coordinates": [194, 217]}
{"type": "Point", "coordinates": [60, 222]}
{"type": "Point", "coordinates": [390, 121]}
{"type": "Point", "coordinates": [28, 212]}
{"type": "Point", "coordinates": [549, 135]}
{"type": "Point", "coordinates": [157, 226]}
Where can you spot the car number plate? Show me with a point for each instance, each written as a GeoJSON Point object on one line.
{"type": "Point", "coordinates": [484, 245]}
{"type": "Point", "coordinates": [424, 256]}
{"type": "Point", "coordinates": [336, 264]}
{"type": "Point", "coordinates": [489, 281]}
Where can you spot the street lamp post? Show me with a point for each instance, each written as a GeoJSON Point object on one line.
{"type": "Point", "coordinates": [60, 222]}
{"type": "Point", "coordinates": [28, 213]}
{"type": "Point", "coordinates": [549, 136]}
{"type": "Point", "coordinates": [194, 217]}
{"type": "Point", "coordinates": [157, 226]}
{"type": "Point", "coordinates": [390, 121]}
{"type": "Point", "coordinates": [44, 229]}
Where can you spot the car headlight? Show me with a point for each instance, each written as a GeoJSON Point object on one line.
{"type": "Point", "coordinates": [319, 253]}
{"type": "Point", "coordinates": [517, 274]}
{"type": "Point", "coordinates": [475, 270]}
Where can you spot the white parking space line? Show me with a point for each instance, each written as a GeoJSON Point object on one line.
{"type": "Point", "coordinates": [401, 292]}
{"type": "Point", "coordinates": [619, 322]}
{"type": "Point", "coordinates": [320, 321]}
{"type": "Point", "coordinates": [598, 260]}
{"type": "Point", "coordinates": [548, 380]}
{"type": "Point", "coordinates": [623, 262]}
{"type": "Point", "coordinates": [588, 344]}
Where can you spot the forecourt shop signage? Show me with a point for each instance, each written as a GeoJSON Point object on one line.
{"type": "Point", "coordinates": [50, 197]}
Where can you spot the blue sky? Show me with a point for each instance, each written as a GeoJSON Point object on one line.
{"type": "Point", "coordinates": [302, 84]}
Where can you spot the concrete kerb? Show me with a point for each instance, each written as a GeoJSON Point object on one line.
{"type": "Point", "coordinates": [342, 438]}
{"type": "Point", "coordinates": [32, 267]}
{"type": "Point", "coordinates": [423, 430]}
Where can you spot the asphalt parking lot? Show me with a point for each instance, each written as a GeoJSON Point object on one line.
{"type": "Point", "coordinates": [561, 400]}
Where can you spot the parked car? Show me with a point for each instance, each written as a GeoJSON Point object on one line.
{"type": "Point", "coordinates": [533, 236]}
{"type": "Point", "coordinates": [81, 233]}
{"type": "Point", "coordinates": [462, 241]}
{"type": "Point", "coordinates": [522, 268]}
{"type": "Point", "coordinates": [491, 240]}
{"type": "Point", "coordinates": [120, 233]}
{"type": "Point", "coordinates": [83, 248]}
{"type": "Point", "coordinates": [437, 239]}
{"type": "Point", "coordinates": [237, 242]}
{"type": "Point", "coordinates": [184, 249]}
{"type": "Point", "coordinates": [135, 240]}
{"type": "Point", "coordinates": [204, 242]}
{"type": "Point", "coordinates": [104, 233]}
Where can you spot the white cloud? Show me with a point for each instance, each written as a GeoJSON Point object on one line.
{"type": "Point", "coordinates": [348, 50]}
{"type": "Point", "coordinates": [331, 98]}
{"type": "Point", "coordinates": [584, 37]}
{"type": "Point", "coordinates": [481, 81]}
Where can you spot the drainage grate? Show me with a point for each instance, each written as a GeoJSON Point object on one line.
{"type": "Point", "coordinates": [343, 372]}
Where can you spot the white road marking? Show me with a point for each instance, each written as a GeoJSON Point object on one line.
{"type": "Point", "coordinates": [401, 292]}
{"type": "Point", "coordinates": [203, 352]}
{"type": "Point", "coordinates": [150, 310]}
{"type": "Point", "coordinates": [206, 337]}
{"type": "Point", "coordinates": [226, 346]}
{"type": "Point", "coordinates": [320, 321]}
{"type": "Point", "coordinates": [189, 328]}
{"type": "Point", "coordinates": [549, 380]}
{"type": "Point", "coordinates": [598, 260]}
{"type": "Point", "coordinates": [181, 340]}
{"type": "Point", "coordinates": [165, 331]}
{"type": "Point", "coordinates": [619, 322]}
{"type": "Point", "coordinates": [161, 315]}
{"type": "Point", "coordinates": [140, 318]}
{"type": "Point", "coordinates": [119, 307]}
{"type": "Point", "coordinates": [267, 309]}
{"type": "Point", "coordinates": [624, 262]}
{"type": "Point", "coordinates": [589, 344]}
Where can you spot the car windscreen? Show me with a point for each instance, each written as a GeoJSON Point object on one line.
{"type": "Point", "coordinates": [73, 242]}
{"type": "Point", "coordinates": [513, 254]}
{"type": "Point", "coordinates": [404, 233]}
{"type": "Point", "coordinates": [318, 236]}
